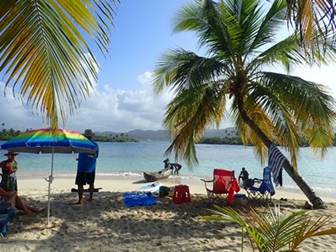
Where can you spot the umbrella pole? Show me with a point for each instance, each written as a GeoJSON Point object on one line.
{"type": "Point", "coordinates": [50, 180]}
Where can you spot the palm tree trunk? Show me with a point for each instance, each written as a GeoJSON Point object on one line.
{"type": "Point", "coordinates": [305, 188]}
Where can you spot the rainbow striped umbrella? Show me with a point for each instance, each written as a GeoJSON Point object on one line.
{"type": "Point", "coordinates": [50, 141]}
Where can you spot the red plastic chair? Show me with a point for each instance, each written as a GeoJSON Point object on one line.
{"type": "Point", "coordinates": [181, 194]}
{"type": "Point", "coordinates": [224, 183]}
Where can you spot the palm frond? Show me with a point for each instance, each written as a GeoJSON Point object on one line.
{"type": "Point", "coordinates": [44, 53]}
{"type": "Point", "coordinates": [242, 20]}
{"type": "Point", "coordinates": [180, 70]}
{"type": "Point", "coordinates": [273, 231]}
{"type": "Point", "coordinates": [269, 25]}
{"type": "Point", "coordinates": [5, 6]}
{"type": "Point", "coordinates": [311, 17]}
{"type": "Point", "coordinates": [189, 113]}
{"type": "Point", "coordinates": [309, 104]}
{"type": "Point", "coordinates": [286, 52]}
{"type": "Point", "coordinates": [285, 131]}
{"type": "Point", "coordinates": [214, 27]}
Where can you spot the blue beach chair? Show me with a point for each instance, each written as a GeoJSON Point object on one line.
{"type": "Point", "coordinates": [265, 188]}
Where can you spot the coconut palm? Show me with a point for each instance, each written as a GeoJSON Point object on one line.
{"type": "Point", "coordinates": [276, 231]}
{"type": "Point", "coordinates": [267, 107]}
{"type": "Point", "coordinates": [45, 50]}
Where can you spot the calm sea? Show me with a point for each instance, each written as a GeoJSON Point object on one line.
{"type": "Point", "coordinates": [124, 159]}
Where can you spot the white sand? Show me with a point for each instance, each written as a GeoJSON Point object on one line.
{"type": "Point", "coordinates": [107, 225]}
{"type": "Point", "coordinates": [31, 186]}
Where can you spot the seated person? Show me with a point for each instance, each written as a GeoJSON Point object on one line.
{"type": "Point", "coordinates": [244, 175]}
{"type": "Point", "coordinates": [10, 197]}
{"type": "Point", "coordinates": [8, 185]}
{"type": "Point", "coordinates": [246, 181]}
{"type": "Point", "coordinates": [15, 201]}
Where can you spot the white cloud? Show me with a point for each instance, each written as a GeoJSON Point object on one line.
{"type": "Point", "coordinates": [123, 110]}
{"type": "Point", "coordinates": [15, 115]}
{"type": "Point", "coordinates": [145, 79]}
{"type": "Point", "coordinates": [106, 109]}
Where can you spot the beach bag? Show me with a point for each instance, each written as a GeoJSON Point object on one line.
{"type": "Point", "coordinates": [139, 199]}
{"type": "Point", "coordinates": [164, 191]}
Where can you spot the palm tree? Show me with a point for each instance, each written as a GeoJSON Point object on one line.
{"type": "Point", "coordinates": [46, 50]}
{"type": "Point", "coordinates": [267, 107]}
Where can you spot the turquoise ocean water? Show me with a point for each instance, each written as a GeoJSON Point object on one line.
{"type": "Point", "coordinates": [122, 159]}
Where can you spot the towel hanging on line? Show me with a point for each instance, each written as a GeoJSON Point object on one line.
{"type": "Point", "coordinates": [275, 162]}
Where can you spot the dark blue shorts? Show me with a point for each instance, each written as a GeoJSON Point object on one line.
{"type": "Point", "coordinates": [83, 178]}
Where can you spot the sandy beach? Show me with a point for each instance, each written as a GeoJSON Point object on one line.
{"type": "Point", "coordinates": [107, 225]}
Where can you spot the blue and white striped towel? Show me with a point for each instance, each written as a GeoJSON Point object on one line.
{"type": "Point", "coordinates": [275, 162]}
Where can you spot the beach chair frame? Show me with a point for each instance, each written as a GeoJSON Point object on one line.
{"type": "Point", "coordinates": [266, 189]}
{"type": "Point", "coordinates": [257, 195]}
{"type": "Point", "coordinates": [220, 186]}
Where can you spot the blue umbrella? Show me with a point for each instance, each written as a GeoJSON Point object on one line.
{"type": "Point", "coordinates": [50, 141]}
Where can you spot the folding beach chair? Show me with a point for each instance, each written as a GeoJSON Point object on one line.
{"type": "Point", "coordinates": [223, 183]}
{"type": "Point", "coordinates": [265, 188]}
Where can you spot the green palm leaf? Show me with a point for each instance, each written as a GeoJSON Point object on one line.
{"type": "Point", "coordinates": [180, 70]}
{"type": "Point", "coordinates": [286, 52]}
{"type": "Point", "coordinates": [44, 53]}
{"type": "Point", "coordinates": [307, 102]}
{"type": "Point", "coordinates": [189, 113]}
{"type": "Point", "coordinates": [273, 231]}
{"type": "Point", "coordinates": [269, 24]}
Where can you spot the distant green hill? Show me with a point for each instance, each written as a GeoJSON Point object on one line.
{"type": "Point", "coordinates": [211, 136]}
{"type": "Point", "coordinates": [7, 134]}
{"type": "Point", "coordinates": [113, 137]}
{"type": "Point", "coordinates": [163, 135]}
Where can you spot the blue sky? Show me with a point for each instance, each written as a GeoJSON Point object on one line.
{"type": "Point", "coordinates": [123, 99]}
{"type": "Point", "coordinates": [143, 31]}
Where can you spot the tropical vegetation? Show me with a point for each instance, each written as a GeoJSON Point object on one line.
{"type": "Point", "coordinates": [46, 51]}
{"type": "Point", "coordinates": [274, 231]}
{"type": "Point", "coordinates": [236, 140]}
{"type": "Point", "coordinates": [110, 137]}
{"type": "Point", "coordinates": [6, 134]}
{"type": "Point", "coordinates": [239, 38]}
